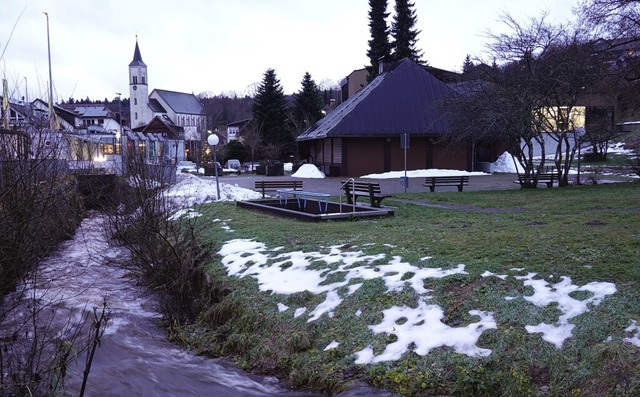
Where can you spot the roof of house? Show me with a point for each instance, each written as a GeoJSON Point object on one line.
{"type": "Point", "coordinates": [239, 123]}
{"type": "Point", "coordinates": [181, 102]}
{"type": "Point", "coordinates": [404, 99]}
{"type": "Point", "coordinates": [155, 106]}
{"type": "Point", "coordinates": [161, 124]}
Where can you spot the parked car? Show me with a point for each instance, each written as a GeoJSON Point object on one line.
{"type": "Point", "coordinates": [249, 166]}
{"type": "Point", "coordinates": [233, 165]}
{"type": "Point", "coordinates": [186, 166]}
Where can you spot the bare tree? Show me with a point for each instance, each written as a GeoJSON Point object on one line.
{"type": "Point", "coordinates": [164, 242]}
{"type": "Point", "coordinates": [536, 95]}
{"type": "Point", "coordinates": [39, 207]}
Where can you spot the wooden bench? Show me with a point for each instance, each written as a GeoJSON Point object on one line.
{"type": "Point", "coordinates": [458, 181]}
{"type": "Point", "coordinates": [547, 178]}
{"type": "Point", "coordinates": [356, 189]}
{"type": "Point", "coordinates": [263, 186]}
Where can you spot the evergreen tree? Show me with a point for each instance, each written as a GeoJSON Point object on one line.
{"type": "Point", "coordinates": [467, 65]}
{"type": "Point", "coordinates": [307, 105]}
{"type": "Point", "coordinates": [379, 45]}
{"type": "Point", "coordinates": [404, 34]}
{"type": "Point", "coordinates": [269, 111]}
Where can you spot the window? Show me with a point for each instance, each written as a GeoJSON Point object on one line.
{"type": "Point", "coordinates": [142, 148]}
{"type": "Point", "coordinates": [100, 121]}
{"type": "Point", "coordinates": [108, 149]}
{"type": "Point", "coordinates": [144, 80]}
{"type": "Point", "coordinates": [152, 150]}
{"type": "Point", "coordinates": [135, 79]}
{"type": "Point", "coordinates": [136, 115]}
{"type": "Point", "coordinates": [135, 101]}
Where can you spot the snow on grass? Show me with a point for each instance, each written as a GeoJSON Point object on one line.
{"type": "Point", "coordinates": [634, 330]}
{"type": "Point", "coordinates": [420, 329]}
{"type": "Point", "coordinates": [424, 328]}
{"type": "Point", "coordinates": [546, 294]}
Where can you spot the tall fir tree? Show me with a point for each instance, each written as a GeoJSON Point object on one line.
{"type": "Point", "coordinates": [307, 104]}
{"type": "Point", "coordinates": [379, 45]}
{"type": "Point", "coordinates": [269, 111]}
{"type": "Point", "coordinates": [467, 65]}
{"type": "Point", "coordinates": [405, 36]}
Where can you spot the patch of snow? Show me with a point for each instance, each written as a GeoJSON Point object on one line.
{"type": "Point", "coordinates": [489, 274]}
{"type": "Point", "coordinates": [421, 174]}
{"type": "Point", "coordinates": [332, 345]}
{"type": "Point", "coordinates": [635, 330]}
{"type": "Point", "coordinates": [282, 307]}
{"type": "Point", "coordinates": [546, 294]}
{"type": "Point", "coordinates": [421, 321]}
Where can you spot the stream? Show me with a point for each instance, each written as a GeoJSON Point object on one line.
{"type": "Point", "coordinates": [135, 358]}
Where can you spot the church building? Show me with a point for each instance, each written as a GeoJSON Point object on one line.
{"type": "Point", "coordinates": [179, 110]}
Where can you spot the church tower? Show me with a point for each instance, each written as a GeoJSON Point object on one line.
{"type": "Point", "coordinates": [138, 90]}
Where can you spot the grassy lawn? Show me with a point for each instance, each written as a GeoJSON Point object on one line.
{"type": "Point", "coordinates": [588, 234]}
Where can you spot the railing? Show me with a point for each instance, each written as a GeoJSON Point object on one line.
{"type": "Point", "coordinates": [353, 188]}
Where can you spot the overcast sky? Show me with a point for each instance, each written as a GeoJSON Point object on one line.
{"type": "Point", "coordinates": [223, 46]}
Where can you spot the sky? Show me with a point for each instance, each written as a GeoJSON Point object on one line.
{"type": "Point", "coordinates": [251, 258]}
{"type": "Point", "coordinates": [225, 46]}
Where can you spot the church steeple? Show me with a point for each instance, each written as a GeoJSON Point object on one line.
{"type": "Point", "coordinates": [138, 90]}
{"type": "Point", "coordinates": [137, 58]}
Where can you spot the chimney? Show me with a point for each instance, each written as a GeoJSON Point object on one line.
{"type": "Point", "coordinates": [332, 103]}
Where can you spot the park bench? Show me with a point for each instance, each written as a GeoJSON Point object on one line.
{"type": "Point", "coordinates": [264, 186]}
{"type": "Point", "coordinates": [548, 178]}
{"type": "Point", "coordinates": [355, 189]}
{"type": "Point", "coordinates": [458, 181]}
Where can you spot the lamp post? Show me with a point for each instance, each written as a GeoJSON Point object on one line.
{"type": "Point", "coordinates": [51, 115]}
{"type": "Point", "coordinates": [213, 140]}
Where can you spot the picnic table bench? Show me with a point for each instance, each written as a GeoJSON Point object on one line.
{"type": "Point", "coordinates": [458, 181]}
{"type": "Point", "coordinates": [355, 189]}
{"type": "Point", "coordinates": [264, 186]}
{"type": "Point", "coordinates": [547, 177]}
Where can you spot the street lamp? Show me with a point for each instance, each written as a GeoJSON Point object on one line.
{"type": "Point", "coordinates": [213, 140]}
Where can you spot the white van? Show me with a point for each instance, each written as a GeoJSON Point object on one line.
{"type": "Point", "coordinates": [233, 165]}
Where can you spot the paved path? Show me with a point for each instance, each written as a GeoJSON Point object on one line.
{"type": "Point", "coordinates": [388, 186]}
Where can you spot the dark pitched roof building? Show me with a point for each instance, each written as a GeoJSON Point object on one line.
{"type": "Point", "coordinates": [403, 100]}
{"type": "Point", "coordinates": [362, 135]}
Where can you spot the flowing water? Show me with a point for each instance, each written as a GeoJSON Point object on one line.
{"type": "Point", "coordinates": [134, 358]}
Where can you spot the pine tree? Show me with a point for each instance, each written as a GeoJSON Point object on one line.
{"type": "Point", "coordinates": [379, 45]}
{"type": "Point", "coordinates": [269, 111]}
{"type": "Point", "coordinates": [404, 34]}
{"type": "Point", "coordinates": [308, 104]}
{"type": "Point", "coordinates": [467, 65]}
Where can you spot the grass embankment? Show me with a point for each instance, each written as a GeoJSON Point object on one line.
{"type": "Point", "coordinates": [590, 234]}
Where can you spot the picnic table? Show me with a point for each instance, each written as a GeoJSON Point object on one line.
{"type": "Point", "coordinates": [283, 195]}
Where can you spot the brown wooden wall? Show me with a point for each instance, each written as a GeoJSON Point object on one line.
{"type": "Point", "coordinates": [362, 156]}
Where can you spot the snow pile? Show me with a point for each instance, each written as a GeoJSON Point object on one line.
{"type": "Point", "coordinates": [506, 164]}
{"type": "Point", "coordinates": [190, 190]}
{"type": "Point", "coordinates": [308, 171]}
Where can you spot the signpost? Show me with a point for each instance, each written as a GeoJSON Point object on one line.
{"type": "Point", "coordinates": [404, 144]}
